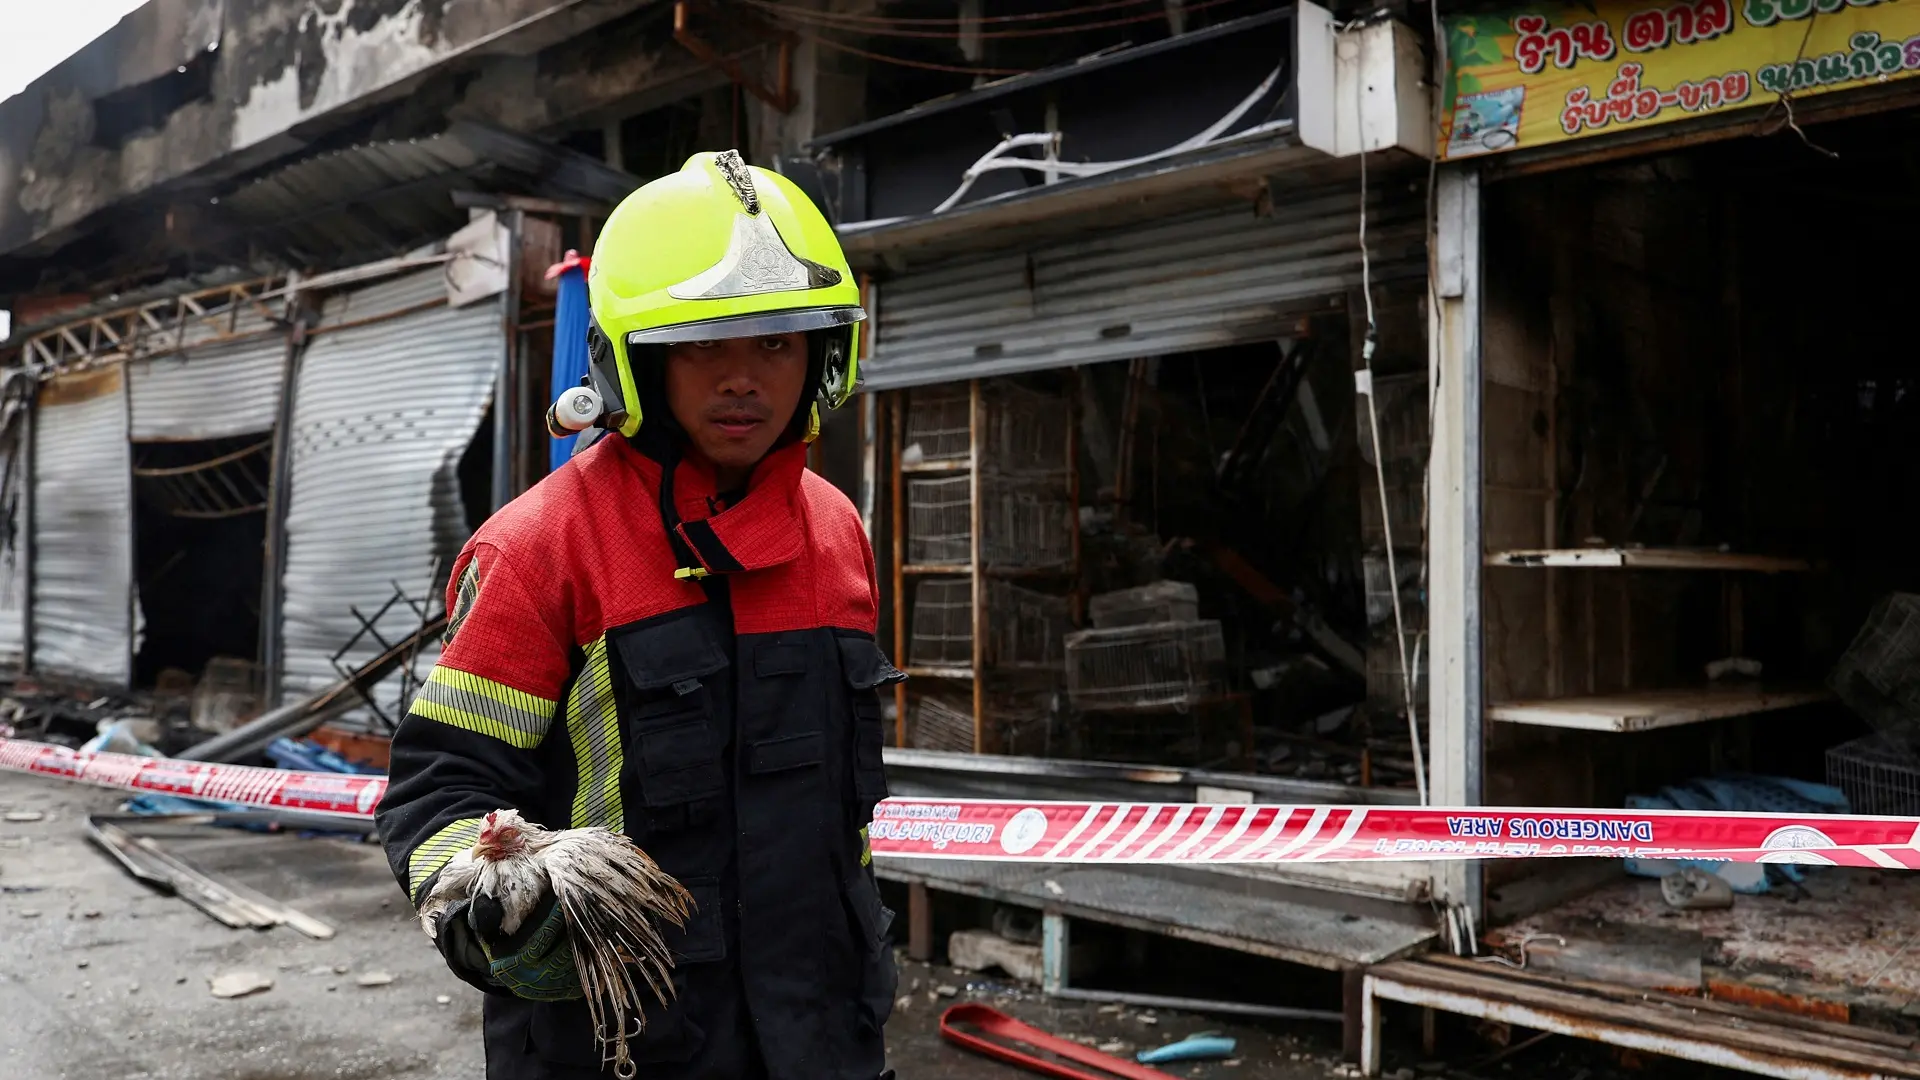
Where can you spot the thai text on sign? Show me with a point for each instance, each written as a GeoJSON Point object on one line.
{"type": "Point", "coordinates": [1538, 75]}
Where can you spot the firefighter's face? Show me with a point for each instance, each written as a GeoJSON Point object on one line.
{"type": "Point", "coordinates": [735, 396]}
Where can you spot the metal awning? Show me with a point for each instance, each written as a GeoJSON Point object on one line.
{"type": "Point", "coordinates": [384, 198]}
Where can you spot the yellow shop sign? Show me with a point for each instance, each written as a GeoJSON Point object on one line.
{"type": "Point", "coordinates": [1539, 75]}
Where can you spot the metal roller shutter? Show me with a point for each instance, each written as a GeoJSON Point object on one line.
{"type": "Point", "coordinates": [212, 390]}
{"type": "Point", "coordinates": [1195, 282]}
{"type": "Point", "coordinates": [83, 608]}
{"type": "Point", "coordinates": [13, 577]}
{"type": "Point", "coordinates": [383, 411]}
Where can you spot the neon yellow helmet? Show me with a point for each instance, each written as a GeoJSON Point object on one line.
{"type": "Point", "coordinates": [720, 249]}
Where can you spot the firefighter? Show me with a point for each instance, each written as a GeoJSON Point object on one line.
{"type": "Point", "coordinates": [672, 635]}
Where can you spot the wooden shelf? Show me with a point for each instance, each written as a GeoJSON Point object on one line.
{"type": "Point", "coordinates": [1646, 710]}
{"type": "Point", "coordinates": [930, 569]}
{"type": "Point", "coordinates": [963, 570]}
{"type": "Point", "coordinates": [1648, 559]}
{"type": "Point", "coordinates": [936, 467]}
{"type": "Point", "coordinates": [939, 673]}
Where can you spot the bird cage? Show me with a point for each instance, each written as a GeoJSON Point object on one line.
{"type": "Point", "coordinates": [1026, 432]}
{"type": "Point", "coordinates": [942, 623]}
{"type": "Point", "coordinates": [1021, 727]}
{"type": "Point", "coordinates": [1160, 602]}
{"type": "Point", "coordinates": [936, 724]}
{"type": "Point", "coordinates": [939, 425]}
{"type": "Point", "coordinates": [940, 521]}
{"type": "Point", "coordinates": [1024, 628]}
{"type": "Point", "coordinates": [1029, 525]}
{"type": "Point", "coordinates": [1879, 773]}
{"type": "Point", "coordinates": [1878, 677]}
{"type": "Point", "coordinates": [1165, 665]}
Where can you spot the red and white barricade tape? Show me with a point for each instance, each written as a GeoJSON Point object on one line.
{"type": "Point", "coordinates": [343, 794]}
{"type": "Point", "coordinates": [1054, 832]}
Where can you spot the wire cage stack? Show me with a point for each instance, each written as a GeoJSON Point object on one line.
{"type": "Point", "coordinates": [1022, 725]}
{"type": "Point", "coordinates": [985, 492]}
{"type": "Point", "coordinates": [1025, 436]}
{"type": "Point", "coordinates": [938, 724]}
{"type": "Point", "coordinates": [1878, 677]}
{"type": "Point", "coordinates": [1024, 728]}
{"type": "Point", "coordinates": [1025, 629]}
{"type": "Point", "coordinates": [1029, 525]}
{"type": "Point", "coordinates": [942, 623]}
{"type": "Point", "coordinates": [940, 521]}
{"type": "Point", "coordinates": [938, 428]}
{"type": "Point", "coordinates": [1879, 773]}
{"type": "Point", "coordinates": [1156, 666]}
{"type": "Point", "coordinates": [1160, 602]}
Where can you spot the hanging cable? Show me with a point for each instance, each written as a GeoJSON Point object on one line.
{"type": "Point", "coordinates": [854, 19]}
{"type": "Point", "coordinates": [1380, 467]}
{"type": "Point", "coordinates": [897, 61]}
{"type": "Point", "coordinates": [795, 17]}
{"type": "Point", "coordinates": [992, 159]}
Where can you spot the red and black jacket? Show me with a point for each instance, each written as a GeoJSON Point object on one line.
{"type": "Point", "coordinates": [728, 721]}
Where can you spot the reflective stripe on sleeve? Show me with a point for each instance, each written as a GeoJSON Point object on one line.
{"type": "Point", "coordinates": [489, 708]}
{"type": "Point", "coordinates": [593, 724]}
{"type": "Point", "coordinates": [437, 851]}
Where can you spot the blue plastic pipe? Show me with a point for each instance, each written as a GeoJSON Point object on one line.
{"type": "Point", "coordinates": [569, 350]}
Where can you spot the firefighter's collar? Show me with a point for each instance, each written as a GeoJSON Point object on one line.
{"type": "Point", "coordinates": [763, 529]}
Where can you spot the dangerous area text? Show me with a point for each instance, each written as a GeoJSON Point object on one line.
{"type": "Point", "coordinates": [1492, 835]}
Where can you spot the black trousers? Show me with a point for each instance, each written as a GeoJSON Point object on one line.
{"type": "Point", "coordinates": [528, 1041]}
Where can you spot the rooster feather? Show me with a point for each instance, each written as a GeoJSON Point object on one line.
{"type": "Point", "coordinates": [611, 895]}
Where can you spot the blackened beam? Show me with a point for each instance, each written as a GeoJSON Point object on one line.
{"type": "Point", "coordinates": [472, 200]}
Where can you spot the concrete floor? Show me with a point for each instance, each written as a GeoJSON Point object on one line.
{"type": "Point", "coordinates": [101, 978]}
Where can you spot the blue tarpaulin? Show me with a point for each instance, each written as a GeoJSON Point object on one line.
{"type": "Point", "coordinates": [1738, 793]}
{"type": "Point", "coordinates": [569, 346]}
{"type": "Point", "coordinates": [304, 755]}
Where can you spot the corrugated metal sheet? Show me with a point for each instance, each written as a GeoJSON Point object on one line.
{"type": "Point", "coordinates": [82, 536]}
{"type": "Point", "coordinates": [212, 391]}
{"type": "Point", "coordinates": [1195, 282]}
{"type": "Point", "coordinates": [386, 197]}
{"type": "Point", "coordinates": [382, 413]}
{"type": "Point", "coordinates": [13, 585]}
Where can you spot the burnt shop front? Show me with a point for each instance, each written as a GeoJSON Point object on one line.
{"type": "Point", "coordinates": [1123, 495]}
{"type": "Point", "coordinates": [1668, 567]}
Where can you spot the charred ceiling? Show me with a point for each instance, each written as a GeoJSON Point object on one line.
{"type": "Point", "coordinates": [182, 95]}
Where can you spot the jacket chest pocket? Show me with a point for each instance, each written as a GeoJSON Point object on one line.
{"type": "Point", "coordinates": [780, 708]}
{"type": "Point", "coordinates": [668, 711]}
{"type": "Point", "coordinates": [866, 669]}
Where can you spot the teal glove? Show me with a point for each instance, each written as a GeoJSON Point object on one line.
{"type": "Point", "coordinates": [536, 962]}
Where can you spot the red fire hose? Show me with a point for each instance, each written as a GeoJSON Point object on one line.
{"type": "Point", "coordinates": [999, 1025]}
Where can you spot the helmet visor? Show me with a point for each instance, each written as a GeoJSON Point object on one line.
{"type": "Point", "coordinates": [763, 324]}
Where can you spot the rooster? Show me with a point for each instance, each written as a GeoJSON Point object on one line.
{"type": "Point", "coordinates": [610, 893]}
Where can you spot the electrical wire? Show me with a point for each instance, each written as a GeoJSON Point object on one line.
{"type": "Point", "coordinates": [794, 16]}
{"type": "Point", "coordinates": [855, 19]}
{"type": "Point", "coordinates": [897, 61]}
{"type": "Point", "coordinates": [1785, 100]}
{"type": "Point", "coordinates": [992, 159]}
{"type": "Point", "coordinates": [1380, 475]}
